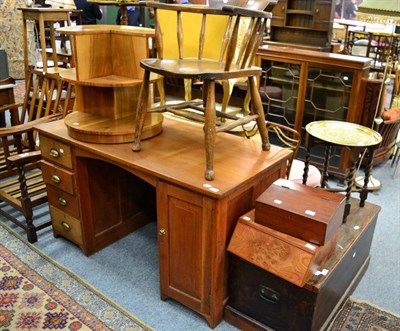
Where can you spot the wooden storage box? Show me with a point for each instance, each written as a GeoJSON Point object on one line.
{"type": "Point", "coordinates": [311, 214]}
{"type": "Point", "coordinates": [260, 300]}
{"type": "Point", "coordinates": [290, 258]}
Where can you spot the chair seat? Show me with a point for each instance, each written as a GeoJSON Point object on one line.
{"type": "Point", "coordinates": [190, 68]}
{"type": "Point", "coordinates": [270, 92]}
{"type": "Point", "coordinates": [297, 170]}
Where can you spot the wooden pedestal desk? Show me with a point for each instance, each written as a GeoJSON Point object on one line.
{"type": "Point", "coordinates": [99, 193]}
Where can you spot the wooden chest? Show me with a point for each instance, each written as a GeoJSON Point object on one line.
{"type": "Point", "coordinates": [290, 258]}
{"type": "Point", "coordinates": [311, 214]}
{"type": "Point", "coordinates": [260, 300]}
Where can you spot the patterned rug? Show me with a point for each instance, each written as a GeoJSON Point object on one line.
{"type": "Point", "coordinates": [361, 316]}
{"type": "Point", "coordinates": [36, 293]}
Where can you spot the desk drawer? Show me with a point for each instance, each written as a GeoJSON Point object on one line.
{"type": "Point", "coordinates": [66, 226]}
{"type": "Point", "coordinates": [56, 151]}
{"type": "Point", "coordinates": [64, 201]}
{"type": "Point", "coordinates": [58, 177]}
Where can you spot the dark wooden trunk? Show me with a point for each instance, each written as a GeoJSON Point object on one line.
{"type": "Point", "coordinates": [259, 300]}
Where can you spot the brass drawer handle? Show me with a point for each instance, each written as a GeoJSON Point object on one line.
{"type": "Point", "coordinates": [283, 8]}
{"type": "Point", "coordinates": [162, 232]}
{"type": "Point", "coordinates": [54, 153]}
{"type": "Point", "coordinates": [66, 226]}
{"type": "Point", "coordinates": [56, 179]}
{"type": "Point", "coordinates": [62, 201]}
{"type": "Point", "coordinates": [317, 11]}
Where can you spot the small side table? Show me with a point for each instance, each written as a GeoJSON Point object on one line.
{"type": "Point", "coordinates": [43, 16]}
{"type": "Point", "coordinates": [356, 138]}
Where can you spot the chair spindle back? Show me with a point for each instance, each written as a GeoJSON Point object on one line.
{"type": "Point", "coordinates": [242, 28]}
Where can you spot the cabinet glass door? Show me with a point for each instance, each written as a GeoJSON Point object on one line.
{"type": "Point", "coordinates": [326, 97]}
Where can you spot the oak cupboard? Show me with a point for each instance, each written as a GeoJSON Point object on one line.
{"type": "Point", "coordinates": [307, 23]}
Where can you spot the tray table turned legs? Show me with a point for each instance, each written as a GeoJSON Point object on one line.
{"type": "Point", "coordinates": [354, 159]}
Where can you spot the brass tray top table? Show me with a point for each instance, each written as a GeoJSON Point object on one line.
{"type": "Point", "coordinates": [356, 138]}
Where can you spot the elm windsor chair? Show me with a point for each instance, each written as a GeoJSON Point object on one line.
{"type": "Point", "coordinates": [232, 62]}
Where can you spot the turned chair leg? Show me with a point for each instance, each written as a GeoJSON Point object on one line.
{"type": "Point", "coordinates": [188, 89]}
{"type": "Point", "coordinates": [259, 110]}
{"type": "Point", "coordinates": [209, 128]}
{"type": "Point", "coordinates": [227, 88]}
{"type": "Point", "coordinates": [141, 111]}
{"type": "Point", "coordinates": [246, 103]}
{"type": "Point", "coordinates": [161, 90]}
{"type": "Point", "coordinates": [30, 229]}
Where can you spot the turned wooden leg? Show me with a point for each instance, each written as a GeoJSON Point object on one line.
{"type": "Point", "coordinates": [227, 86]}
{"type": "Point", "coordinates": [325, 174]}
{"type": "Point", "coordinates": [209, 128]}
{"type": "Point", "coordinates": [161, 90]}
{"type": "Point", "coordinates": [350, 184]}
{"type": "Point", "coordinates": [368, 168]}
{"type": "Point", "coordinates": [259, 110]}
{"type": "Point", "coordinates": [246, 103]}
{"type": "Point", "coordinates": [26, 206]}
{"type": "Point", "coordinates": [307, 159]}
{"type": "Point", "coordinates": [141, 111]}
{"type": "Point", "coordinates": [188, 89]}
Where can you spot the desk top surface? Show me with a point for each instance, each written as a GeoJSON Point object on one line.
{"type": "Point", "coordinates": [177, 155]}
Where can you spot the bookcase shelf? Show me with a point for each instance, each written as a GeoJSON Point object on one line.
{"type": "Point", "coordinates": [312, 20]}
{"type": "Point", "coordinates": [107, 79]}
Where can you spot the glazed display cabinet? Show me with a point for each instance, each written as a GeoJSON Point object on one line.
{"type": "Point", "coordinates": [301, 86]}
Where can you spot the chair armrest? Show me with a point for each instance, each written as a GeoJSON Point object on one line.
{"type": "Point", "coordinates": [14, 113]}
{"type": "Point", "coordinates": [10, 106]}
{"type": "Point", "coordinates": [25, 158]}
{"type": "Point", "coordinates": [7, 82]}
{"type": "Point", "coordinates": [22, 128]}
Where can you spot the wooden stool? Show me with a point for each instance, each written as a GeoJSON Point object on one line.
{"type": "Point", "coordinates": [43, 16]}
{"type": "Point", "coordinates": [352, 136]}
